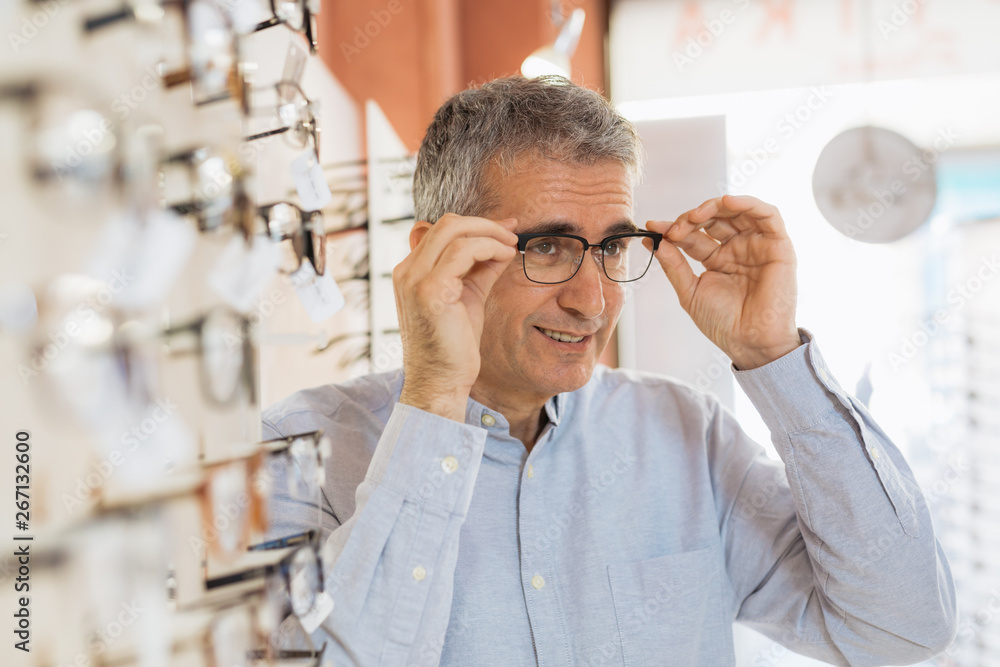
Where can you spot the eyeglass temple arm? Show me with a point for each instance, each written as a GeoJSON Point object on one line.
{"type": "Point", "coordinates": [264, 25]}
{"type": "Point", "coordinates": [269, 133]}
{"type": "Point", "coordinates": [103, 20]}
{"type": "Point", "coordinates": [282, 542]}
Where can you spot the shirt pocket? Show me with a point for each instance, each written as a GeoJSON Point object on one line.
{"type": "Point", "coordinates": [670, 610]}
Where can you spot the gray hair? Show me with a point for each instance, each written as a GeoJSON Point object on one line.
{"type": "Point", "coordinates": [494, 124]}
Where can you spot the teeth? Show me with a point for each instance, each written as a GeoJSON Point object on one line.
{"type": "Point", "coordinates": [565, 338]}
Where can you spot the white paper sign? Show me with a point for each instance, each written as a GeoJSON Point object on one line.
{"type": "Point", "coordinates": [241, 273]}
{"type": "Point", "coordinates": [307, 173]}
{"type": "Point", "coordinates": [320, 610]}
{"type": "Point", "coordinates": [319, 294]}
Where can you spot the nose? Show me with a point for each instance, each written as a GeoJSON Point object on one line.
{"type": "Point", "coordinates": [584, 293]}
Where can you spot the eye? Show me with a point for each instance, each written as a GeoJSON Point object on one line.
{"type": "Point", "coordinates": [545, 246]}
{"type": "Point", "coordinates": [614, 248]}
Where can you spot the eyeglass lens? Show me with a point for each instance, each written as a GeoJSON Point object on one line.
{"type": "Point", "coordinates": [556, 259]}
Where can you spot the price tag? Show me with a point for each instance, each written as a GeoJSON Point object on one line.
{"type": "Point", "coordinates": [319, 294]}
{"type": "Point", "coordinates": [314, 191]}
{"type": "Point", "coordinates": [320, 610]}
{"type": "Point", "coordinates": [241, 273]}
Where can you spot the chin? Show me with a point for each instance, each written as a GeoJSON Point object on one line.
{"type": "Point", "coordinates": [566, 377]}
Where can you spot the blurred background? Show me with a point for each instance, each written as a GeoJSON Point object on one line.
{"type": "Point", "coordinates": [149, 307]}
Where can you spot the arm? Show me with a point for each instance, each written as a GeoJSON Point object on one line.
{"type": "Point", "coordinates": [833, 553]}
{"type": "Point", "coordinates": [389, 567]}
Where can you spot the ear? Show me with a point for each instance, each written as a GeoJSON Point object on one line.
{"type": "Point", "coordinates": [420, 228]}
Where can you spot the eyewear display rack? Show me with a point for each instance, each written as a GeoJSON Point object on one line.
{"type": "Point", "coordinates": [133, 254]}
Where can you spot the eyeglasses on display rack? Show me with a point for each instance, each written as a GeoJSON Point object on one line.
{"type": "Point", "coordinates": [71, 148]}
{"type": "Point", "coordinates": [301, 460]}
{"type": "Point", "coordinates": [225, 349]}
{"type": "Point", "coordinates": [285, 542]}
{"type": "Point", "coordinates": [299, 15]}
{"type": "Point", "coordinates": [212, 47]}
{"type": "Point", "coordinates": [550, 259]}
{"type": "Point", "coordinates": [219, 191]}
{"type": "Point", "coordinates": [297, 578]}
{"type": "Point", "coordinates": [296, 112]}
{"type": "Point", "coordinates": [302, 233]}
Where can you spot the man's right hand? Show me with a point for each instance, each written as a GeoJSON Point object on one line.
{"type": "Point", "coordinates": [441, 289]}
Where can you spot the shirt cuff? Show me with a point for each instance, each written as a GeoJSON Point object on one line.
{"type": "Point", "coordinates": [793, 392]}
{"type": "Point", "coordinates": [428, 459]}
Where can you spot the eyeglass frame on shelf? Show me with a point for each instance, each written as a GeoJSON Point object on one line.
{"type": "Point", "coordinates": [247, 374]}
{"type": "Point", "coordinates": [312, 125]}
{"type": "Point", "coordinates": [307, 26]}
{"type": "Point", "coordinates": [306, 249]}
{"type": "Point", "coordinates": [282, 567]}
{"type": "Point", "coordinates": [523, 239]}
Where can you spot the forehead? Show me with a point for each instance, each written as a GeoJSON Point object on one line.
{"type": "Point", "coordinates": [538, 190]}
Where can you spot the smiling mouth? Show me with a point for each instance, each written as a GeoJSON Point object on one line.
{"type": "Point", "coordinates": [561, 337]}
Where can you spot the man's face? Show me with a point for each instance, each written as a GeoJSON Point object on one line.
{"type": "Point", "coordinates": [518, 359]}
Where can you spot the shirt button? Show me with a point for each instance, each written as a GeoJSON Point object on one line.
{"type": "Point", "coordinates": [419, 573]}
{"type": "Point", "coordinates": [488, 419]}
{"type": "Point", "coordinates": [449, 464]}
{"type": "Point", "coordinates": [538, 581]}
{"type": "Point", "coordinates": [874, 454]}
{"type": "Point", "coordinates": [531, 471]}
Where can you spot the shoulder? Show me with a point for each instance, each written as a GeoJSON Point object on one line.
{"type": "Point", "coordinates": [365, 399]}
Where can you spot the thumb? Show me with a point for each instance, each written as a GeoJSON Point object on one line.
{"type": "Point", "coordinates": [674, 263]}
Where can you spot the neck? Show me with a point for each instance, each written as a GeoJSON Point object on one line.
{"type": "Point", "coordinates": [526, 417]}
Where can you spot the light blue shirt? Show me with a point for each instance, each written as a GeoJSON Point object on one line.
{"type": "Point", "coordinates": [643, 523]}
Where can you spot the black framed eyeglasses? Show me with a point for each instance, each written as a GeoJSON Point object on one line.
{"type": "Point", "coordinates": [550, 259]}
{"type": "Point", "coordinates": [303, 232]}
{"type": "Point", "coordinates": [297, 15]}
{"type": "Point", "coordinates": [298, 575]}
{"type": "Point", "coordinates": [226, 354]}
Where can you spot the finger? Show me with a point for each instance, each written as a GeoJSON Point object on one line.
{"type": "Point", "coordinates": [678, 272]}
{"type": "Point", "coordinates": [451, 227]}
{"type": "Point", "coordinates": [481, 260]}
{"type": "Point", "coordinates": [743, 211]}
{"type": "Point", "coordinates": [698, 245]}
{"type": "Point", "coordinates": [719, 229]}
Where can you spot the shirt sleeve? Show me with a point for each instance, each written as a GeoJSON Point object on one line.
{"type": "Point", "coordinates": [389, 569]}
{"type": "Point", "coordinates": [830, 551]}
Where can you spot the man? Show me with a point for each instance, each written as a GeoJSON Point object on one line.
{"type": "Point", "coordinates": [505, 501]}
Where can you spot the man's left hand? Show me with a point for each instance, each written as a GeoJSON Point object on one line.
{"type": "Point", "coordinates": [744, 301]}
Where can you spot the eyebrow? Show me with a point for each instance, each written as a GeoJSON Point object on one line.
{"type": "Point", "coordinates": [562, 227]}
